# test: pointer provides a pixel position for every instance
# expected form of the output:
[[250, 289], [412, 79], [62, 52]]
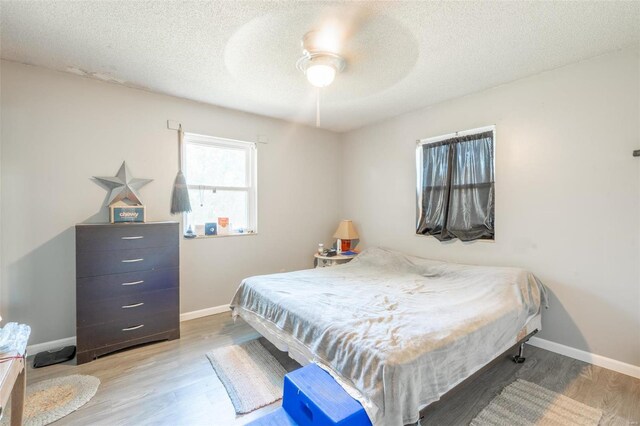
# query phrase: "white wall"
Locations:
[[59, 130], [567, 202], [567, 193]]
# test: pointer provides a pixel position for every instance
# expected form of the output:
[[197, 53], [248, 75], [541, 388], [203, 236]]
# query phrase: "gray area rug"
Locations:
[[51, 400], [252, 376], [525, 403]]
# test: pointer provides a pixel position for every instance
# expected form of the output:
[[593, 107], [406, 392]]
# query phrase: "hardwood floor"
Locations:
[[172, 383], [616, 394]]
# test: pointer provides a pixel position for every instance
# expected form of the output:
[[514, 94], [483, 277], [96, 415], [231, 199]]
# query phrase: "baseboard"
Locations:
[[204, 312], [53, 344], [599, 360]]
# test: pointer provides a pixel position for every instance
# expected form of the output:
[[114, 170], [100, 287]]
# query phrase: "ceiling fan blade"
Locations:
[[339, 24]]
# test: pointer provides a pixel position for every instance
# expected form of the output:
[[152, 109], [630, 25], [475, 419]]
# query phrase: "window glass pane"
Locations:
[[434, 189], [215, 165], [473, 162], [471, 211], [208, 206], [471, 203]]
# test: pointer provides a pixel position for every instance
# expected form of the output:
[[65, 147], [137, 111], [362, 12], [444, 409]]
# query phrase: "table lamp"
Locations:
[[345, 233]]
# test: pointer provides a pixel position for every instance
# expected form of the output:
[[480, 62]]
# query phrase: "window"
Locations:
[[221, 177], [455, 187]]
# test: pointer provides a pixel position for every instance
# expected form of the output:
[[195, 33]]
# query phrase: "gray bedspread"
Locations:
[[401, 330]]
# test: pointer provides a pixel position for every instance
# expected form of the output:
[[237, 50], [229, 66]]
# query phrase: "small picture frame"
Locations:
[[211, 228], [223, 226]]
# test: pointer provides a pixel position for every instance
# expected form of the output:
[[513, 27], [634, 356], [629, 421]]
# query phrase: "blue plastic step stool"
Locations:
[[278, 417], [312, 397]]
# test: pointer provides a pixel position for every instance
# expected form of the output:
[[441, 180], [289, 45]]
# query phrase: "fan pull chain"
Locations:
[[318, 107]]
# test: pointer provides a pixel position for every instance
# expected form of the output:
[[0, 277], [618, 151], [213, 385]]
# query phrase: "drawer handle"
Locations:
[[138, 237], [133, 328], [135, 305], [132, 260], [133, 283]]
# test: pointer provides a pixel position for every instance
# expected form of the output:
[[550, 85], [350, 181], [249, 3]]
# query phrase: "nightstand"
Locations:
[[339, 259]]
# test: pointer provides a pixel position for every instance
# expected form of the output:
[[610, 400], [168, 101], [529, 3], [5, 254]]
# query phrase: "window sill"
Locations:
[[203, 237]]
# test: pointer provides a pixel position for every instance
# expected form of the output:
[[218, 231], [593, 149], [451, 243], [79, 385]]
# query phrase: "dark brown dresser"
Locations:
[[127, 286]]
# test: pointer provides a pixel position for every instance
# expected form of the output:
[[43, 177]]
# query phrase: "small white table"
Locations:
[[338, 259]]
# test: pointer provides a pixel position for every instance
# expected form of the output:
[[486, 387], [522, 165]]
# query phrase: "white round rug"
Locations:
[[50, 400]]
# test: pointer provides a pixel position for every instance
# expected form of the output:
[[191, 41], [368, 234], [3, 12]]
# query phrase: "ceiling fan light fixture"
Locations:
[[319, 66], [321, 75]]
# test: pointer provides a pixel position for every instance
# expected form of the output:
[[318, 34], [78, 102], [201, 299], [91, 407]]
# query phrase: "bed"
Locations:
[[396, 331]]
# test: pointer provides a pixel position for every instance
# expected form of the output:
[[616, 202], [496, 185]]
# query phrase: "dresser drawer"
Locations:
[[91, 263], [91, 289], [126, 236], [123, 330], [131, 308]]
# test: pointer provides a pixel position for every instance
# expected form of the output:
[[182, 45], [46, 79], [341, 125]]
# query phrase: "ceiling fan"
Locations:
[[321, 59], [325, 47]]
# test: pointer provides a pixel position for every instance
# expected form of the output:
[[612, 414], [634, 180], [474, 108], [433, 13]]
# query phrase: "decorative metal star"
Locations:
[[123, 186]]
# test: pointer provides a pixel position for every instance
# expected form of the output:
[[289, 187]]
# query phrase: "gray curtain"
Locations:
[[458, 188]]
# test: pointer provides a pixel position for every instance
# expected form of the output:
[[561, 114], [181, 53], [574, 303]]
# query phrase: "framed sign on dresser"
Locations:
[[127, 286]]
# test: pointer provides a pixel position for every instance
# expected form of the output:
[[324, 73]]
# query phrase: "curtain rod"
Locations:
[[175, 125], [454, 134]]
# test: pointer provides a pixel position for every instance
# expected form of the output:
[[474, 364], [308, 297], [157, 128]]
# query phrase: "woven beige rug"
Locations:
[[524, 403], [252, 377], [51, 400]]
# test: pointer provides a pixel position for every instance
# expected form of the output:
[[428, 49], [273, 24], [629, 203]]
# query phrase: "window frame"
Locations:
[[251, 177], [420, 171]]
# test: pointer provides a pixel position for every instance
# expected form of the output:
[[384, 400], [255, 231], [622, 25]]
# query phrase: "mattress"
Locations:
[[396, 331]]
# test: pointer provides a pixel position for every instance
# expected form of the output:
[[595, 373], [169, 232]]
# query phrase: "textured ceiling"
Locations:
[[241, 54]]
